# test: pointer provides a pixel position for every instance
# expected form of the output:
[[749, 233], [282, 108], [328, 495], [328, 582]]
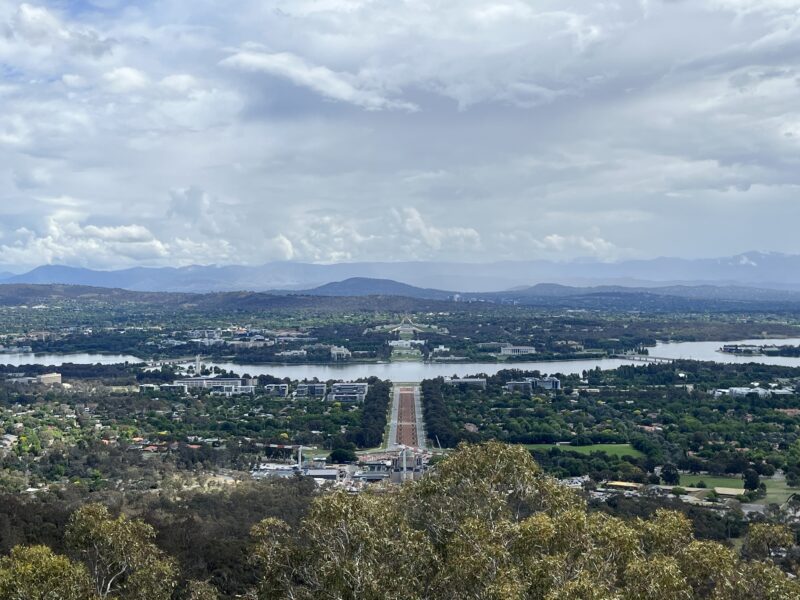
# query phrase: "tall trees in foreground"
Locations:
[[115, 558], [120, 555], [485, 524], [488, 524], [36, 573]]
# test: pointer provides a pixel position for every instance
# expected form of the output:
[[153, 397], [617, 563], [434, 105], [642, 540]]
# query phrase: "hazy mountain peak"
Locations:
[[751, 269]]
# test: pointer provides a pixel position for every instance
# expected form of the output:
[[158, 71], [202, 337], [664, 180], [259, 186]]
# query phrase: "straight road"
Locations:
[[406, 427]]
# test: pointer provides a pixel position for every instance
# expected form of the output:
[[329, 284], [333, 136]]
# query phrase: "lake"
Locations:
[[413, 371], [56, 360]]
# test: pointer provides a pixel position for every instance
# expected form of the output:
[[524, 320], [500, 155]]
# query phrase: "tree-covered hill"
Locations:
[[486, 523]]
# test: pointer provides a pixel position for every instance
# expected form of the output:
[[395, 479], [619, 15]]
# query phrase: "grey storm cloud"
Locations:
[[179, 132]]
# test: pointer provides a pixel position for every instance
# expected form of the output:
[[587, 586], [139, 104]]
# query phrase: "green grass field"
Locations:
[[777, 490], [711, 481], [610, 449]]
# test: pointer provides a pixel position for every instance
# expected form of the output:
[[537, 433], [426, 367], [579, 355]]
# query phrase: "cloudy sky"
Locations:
[[178, 132]]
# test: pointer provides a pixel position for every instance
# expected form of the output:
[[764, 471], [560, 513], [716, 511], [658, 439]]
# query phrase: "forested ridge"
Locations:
[[486, 523]]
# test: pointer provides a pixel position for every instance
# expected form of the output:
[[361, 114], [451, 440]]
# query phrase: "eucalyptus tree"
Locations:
[[120, 555], [36, 573], [488, 524]]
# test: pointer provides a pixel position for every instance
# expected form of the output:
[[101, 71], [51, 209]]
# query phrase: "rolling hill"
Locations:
[[364, 286], [750, 270]]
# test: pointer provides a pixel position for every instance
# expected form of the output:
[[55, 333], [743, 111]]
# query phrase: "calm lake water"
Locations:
[[412, 371], [56, 360]]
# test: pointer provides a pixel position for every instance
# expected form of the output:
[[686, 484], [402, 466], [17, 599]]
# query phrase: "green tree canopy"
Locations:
[[35, 573], [488, 524], [120, 555]]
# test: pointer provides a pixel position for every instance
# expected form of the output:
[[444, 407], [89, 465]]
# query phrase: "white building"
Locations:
[[292, 353], [207, 382], [741, 392], [226, 386], [340, 353], [517, 350], [406, 343], [45, 379], [232, 390], [49, 379]]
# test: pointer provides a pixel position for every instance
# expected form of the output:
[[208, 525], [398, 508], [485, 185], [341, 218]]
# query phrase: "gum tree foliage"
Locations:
[[36, 573], [485, 524], [200, 590], [122, 560], [488, 524], [764, 538]]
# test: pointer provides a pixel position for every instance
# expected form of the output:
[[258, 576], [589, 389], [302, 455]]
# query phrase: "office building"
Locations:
[[348, 392], [517, 350], [311, 390], [277, 389], [523, 387]]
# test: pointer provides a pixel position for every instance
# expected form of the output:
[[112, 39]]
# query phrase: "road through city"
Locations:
[[406, 427]]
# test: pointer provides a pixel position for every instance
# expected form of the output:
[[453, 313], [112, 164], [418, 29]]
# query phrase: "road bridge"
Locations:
[[644, 358]]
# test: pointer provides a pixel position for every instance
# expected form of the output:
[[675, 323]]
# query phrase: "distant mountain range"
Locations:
[[545, 292], [382, 294], [225, 302], [703, 292], [752, 270]]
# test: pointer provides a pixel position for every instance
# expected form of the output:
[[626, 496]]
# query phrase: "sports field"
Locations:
[[712, 481], [610, 449], [777, 490]]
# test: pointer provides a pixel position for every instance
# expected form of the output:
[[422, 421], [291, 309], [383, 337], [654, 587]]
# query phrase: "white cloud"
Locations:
[[181, 83], [284, 247], [753, 6], [69, 242], [336, 86], [126, 79], [13, 129], [526, 245], [38, 25], [596, 247], [73, 81], [41, 28], [32, 178], [119, 233], [324, 130], [435, 238]]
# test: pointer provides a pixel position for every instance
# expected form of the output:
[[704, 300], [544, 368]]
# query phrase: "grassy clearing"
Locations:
[[399, 355], [777, 490], [610, 449], [712, 481], [319, 453]]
